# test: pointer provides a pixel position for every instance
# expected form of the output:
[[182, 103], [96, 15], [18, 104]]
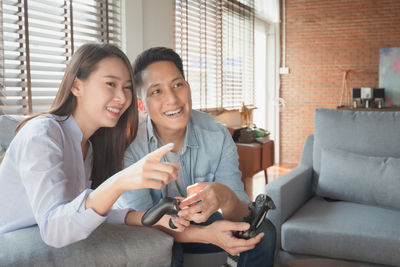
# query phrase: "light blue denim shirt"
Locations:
[[44, 180], [208, 155]]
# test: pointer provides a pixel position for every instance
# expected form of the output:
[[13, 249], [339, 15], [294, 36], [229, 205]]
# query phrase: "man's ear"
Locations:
[[76, 87], [141, 106]]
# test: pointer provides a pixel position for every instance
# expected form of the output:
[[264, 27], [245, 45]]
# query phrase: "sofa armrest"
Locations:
[[289, 192], [108, 245]]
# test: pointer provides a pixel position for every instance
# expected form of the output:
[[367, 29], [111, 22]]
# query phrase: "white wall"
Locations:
[[147, 23]]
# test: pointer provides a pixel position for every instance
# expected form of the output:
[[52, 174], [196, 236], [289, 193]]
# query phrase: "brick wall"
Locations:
[[324, 38]]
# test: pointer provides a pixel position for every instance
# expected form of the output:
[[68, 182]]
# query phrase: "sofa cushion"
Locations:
[[370, 133], [8, 123], [359, 178], [109, 245], [344, 230]]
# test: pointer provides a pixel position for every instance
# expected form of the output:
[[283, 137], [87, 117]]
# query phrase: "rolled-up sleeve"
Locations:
[[228, 172], [117, 215]]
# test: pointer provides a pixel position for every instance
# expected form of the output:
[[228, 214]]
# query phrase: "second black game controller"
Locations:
[[166, 205], [258, 211]]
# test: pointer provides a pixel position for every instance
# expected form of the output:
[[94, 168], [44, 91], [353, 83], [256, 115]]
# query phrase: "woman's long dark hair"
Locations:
[[108, 143]]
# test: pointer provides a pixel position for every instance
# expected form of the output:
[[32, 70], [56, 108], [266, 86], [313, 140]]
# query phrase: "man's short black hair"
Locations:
[[152, 55]]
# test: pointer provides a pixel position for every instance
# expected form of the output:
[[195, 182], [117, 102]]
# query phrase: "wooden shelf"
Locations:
[[253, 158]]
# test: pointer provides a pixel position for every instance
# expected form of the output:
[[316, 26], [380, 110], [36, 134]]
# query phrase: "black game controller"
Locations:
[[166, 205], [258, 210]]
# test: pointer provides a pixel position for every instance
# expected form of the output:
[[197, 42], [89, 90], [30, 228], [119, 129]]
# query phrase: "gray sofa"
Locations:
[[109, 245], [343, 200]]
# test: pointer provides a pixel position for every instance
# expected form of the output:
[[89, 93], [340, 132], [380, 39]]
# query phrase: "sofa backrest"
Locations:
[[370, 133], [307, 155], [8, 124]]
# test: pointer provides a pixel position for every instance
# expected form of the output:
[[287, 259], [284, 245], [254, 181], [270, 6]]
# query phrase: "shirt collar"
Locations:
[[70, 122], [71, 125], [77, 134], [190, 141], [73, 128]]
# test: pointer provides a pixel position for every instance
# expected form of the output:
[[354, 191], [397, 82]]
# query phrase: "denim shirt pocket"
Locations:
[[208, 178]]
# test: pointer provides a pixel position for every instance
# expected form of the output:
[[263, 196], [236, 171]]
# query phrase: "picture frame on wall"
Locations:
[[389, 75]]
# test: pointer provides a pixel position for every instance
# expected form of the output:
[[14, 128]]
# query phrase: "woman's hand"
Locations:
[[149, 172]]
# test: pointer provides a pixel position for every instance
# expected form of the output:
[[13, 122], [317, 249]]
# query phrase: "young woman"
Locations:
[[56, 158]]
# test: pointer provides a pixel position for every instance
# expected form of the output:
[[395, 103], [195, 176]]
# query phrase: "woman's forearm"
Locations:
[[103, 197]]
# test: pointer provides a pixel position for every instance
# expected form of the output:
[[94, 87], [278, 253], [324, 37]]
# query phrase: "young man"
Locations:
[[209, 179]]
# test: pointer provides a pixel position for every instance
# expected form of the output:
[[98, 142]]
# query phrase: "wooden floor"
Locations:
[[273, 173]]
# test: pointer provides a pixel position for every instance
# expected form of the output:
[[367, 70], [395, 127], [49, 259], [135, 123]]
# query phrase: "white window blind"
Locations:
[[37, 39], [215, 39]]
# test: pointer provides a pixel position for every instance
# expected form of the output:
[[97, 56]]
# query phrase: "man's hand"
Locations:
[[180, 223], [220, 233], [203, 200], [149, 172]]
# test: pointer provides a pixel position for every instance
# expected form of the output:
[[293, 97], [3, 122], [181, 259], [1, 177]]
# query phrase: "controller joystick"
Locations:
[[166, 205], [258, 211]]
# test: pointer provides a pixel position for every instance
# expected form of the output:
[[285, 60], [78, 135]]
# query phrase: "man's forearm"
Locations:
[[134, 218], [232, 207], [235, 212], [192, 234]]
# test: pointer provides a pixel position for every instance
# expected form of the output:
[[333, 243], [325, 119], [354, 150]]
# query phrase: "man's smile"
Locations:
[[173, 112]]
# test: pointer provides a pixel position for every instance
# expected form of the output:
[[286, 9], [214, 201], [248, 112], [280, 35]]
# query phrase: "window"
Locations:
[[37, 38], [215, 39]]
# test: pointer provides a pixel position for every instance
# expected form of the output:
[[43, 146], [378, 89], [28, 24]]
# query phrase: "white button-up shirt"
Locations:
[[44, 180]]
